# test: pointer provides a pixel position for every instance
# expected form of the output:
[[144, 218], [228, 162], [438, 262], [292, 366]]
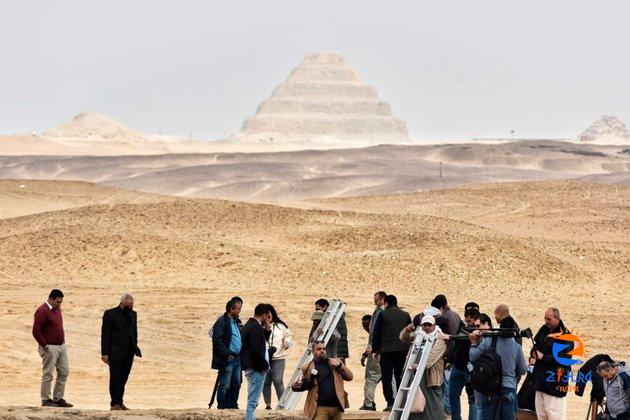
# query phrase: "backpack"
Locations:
[[487, 373]]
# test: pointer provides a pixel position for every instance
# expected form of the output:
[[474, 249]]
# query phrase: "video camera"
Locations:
[[495, 332]]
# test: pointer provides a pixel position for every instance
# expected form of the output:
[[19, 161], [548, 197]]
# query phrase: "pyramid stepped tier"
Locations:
[[324, 106], [324, 99], [333, 90], [327, 125]]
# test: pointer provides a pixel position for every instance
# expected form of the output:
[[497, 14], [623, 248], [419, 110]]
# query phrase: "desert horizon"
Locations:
[[170, 156]]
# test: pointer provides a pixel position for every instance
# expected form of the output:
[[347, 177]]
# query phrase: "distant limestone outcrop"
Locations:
[[606, 130], [324, 100], [97, 127]]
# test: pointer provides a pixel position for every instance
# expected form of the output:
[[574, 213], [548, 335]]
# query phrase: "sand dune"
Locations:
[[21, 197], [289, 176], [183, 258]]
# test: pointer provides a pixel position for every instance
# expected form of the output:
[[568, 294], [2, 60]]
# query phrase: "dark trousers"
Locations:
[[392, 365], [118, 374]]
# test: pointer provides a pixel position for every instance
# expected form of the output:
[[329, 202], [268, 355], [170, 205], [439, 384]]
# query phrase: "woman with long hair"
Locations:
[[279, 340]]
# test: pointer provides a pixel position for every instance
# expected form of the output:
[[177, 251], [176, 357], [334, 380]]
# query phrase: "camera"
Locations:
[[272, 351]]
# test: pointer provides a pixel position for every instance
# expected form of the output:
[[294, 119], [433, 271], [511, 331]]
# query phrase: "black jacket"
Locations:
[[254, 347], [548, 367], [221, 338], [387, 330], [119, 337], [342, 345], [509, 322], [597, 390], [458, 354]]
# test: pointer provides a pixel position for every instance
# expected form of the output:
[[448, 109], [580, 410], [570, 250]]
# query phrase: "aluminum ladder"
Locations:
[[329, 322], [415, 367]]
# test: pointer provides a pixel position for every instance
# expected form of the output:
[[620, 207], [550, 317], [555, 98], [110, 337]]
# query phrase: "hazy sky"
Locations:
[[448, 68]]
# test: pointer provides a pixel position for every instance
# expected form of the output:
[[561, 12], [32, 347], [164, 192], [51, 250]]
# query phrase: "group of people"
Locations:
[[463, 349], [258, 348]]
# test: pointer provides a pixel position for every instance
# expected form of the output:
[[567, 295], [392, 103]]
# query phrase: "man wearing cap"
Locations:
[[432, 380]]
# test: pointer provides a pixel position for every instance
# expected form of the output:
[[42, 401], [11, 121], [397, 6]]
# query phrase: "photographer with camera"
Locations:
[[323, 379], [498, 362], [279, 341]]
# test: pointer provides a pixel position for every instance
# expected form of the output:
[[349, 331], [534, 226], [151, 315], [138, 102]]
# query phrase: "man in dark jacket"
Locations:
[[550, 395], [255, 356], [459, 359], [119, 344], [387, 346], [226, 350]]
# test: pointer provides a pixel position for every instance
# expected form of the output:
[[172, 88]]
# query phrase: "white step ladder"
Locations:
[[415, 367], [329, 322]]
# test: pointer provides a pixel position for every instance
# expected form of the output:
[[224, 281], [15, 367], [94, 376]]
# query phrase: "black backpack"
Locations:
[[487, 374]]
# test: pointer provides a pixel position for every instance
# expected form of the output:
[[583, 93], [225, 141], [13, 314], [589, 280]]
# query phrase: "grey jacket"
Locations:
[[618, 392], [512, 358], [375, 314]]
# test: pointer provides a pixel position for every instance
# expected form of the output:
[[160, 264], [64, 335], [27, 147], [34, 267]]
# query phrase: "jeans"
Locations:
[[229, 384], [446, 391], [505, 403], [118, 375], [458, 381], [474, 407], [392, 365], [255, 383], [275, 377]]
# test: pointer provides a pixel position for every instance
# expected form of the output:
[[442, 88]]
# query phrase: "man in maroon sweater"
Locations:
[[48, 331]]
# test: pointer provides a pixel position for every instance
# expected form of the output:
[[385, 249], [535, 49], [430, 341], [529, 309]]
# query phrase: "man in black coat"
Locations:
[[550, 376], [387, 346], [255, 356], [119, 344]]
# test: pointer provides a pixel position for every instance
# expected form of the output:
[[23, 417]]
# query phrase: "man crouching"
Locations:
[[323, 379]]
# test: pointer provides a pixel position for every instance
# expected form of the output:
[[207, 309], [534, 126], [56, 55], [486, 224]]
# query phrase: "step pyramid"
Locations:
[[606, 130], [325, 100]]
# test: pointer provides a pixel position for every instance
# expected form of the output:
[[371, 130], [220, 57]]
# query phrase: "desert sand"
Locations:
[[527, 244]]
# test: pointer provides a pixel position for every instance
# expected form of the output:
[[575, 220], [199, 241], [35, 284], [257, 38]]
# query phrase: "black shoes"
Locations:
[[368, 407], [63, 403], [49, 403]]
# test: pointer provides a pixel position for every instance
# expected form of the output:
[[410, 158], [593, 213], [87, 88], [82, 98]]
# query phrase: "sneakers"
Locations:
[[49, 403], [63, 403], [368, 407]]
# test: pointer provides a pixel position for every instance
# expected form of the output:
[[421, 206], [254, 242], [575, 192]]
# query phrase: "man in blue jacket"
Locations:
[[512, 366], [226, 350]]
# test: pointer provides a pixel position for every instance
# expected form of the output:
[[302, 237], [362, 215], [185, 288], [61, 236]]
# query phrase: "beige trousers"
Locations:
[[327, 413], [55, 357], [549, 407]]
